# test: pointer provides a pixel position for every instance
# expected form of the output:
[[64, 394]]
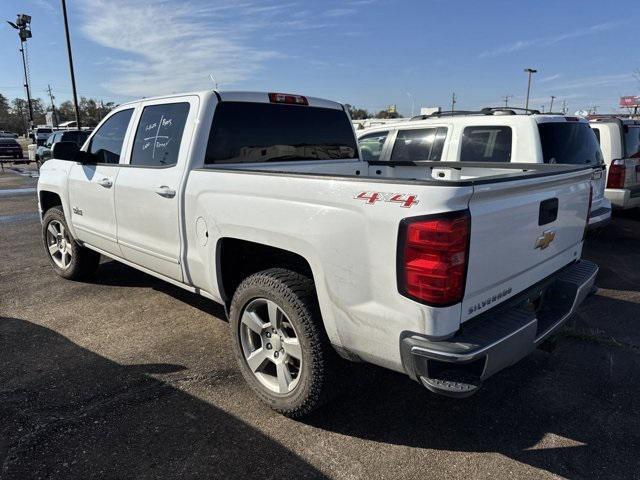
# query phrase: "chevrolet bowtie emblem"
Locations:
[[545, 239]]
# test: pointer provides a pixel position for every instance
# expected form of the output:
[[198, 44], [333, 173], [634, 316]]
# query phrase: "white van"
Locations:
[[619, 140], [493, 136]]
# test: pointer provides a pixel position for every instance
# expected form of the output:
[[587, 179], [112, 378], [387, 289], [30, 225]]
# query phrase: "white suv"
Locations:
[[494, 136], [620, 144]]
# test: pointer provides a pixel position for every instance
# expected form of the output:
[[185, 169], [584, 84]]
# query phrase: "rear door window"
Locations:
[[246, 132], [371, 145], [419, 144], [159, 135], [632, 142], [486, 144], [573, 143]]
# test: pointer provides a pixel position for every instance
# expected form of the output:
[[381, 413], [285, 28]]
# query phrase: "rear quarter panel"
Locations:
[[350, 245]]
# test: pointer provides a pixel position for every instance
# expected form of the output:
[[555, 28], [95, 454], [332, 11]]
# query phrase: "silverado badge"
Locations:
[[545, 239]]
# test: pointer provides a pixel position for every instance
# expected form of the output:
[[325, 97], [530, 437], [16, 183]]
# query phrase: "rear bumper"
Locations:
[[599, 218], [623, 198], [496, 339]]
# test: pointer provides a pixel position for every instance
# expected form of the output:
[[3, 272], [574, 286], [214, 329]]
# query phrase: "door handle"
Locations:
[[165, 191], [106, 183]]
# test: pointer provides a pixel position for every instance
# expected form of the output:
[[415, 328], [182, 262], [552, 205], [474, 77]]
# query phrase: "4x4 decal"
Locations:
[[404, 199]]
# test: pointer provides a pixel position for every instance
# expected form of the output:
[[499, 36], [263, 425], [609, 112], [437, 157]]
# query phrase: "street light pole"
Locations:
[[530, 71], [26, 84], [73, 77], [413, 103], [23, 25], [553, 97]]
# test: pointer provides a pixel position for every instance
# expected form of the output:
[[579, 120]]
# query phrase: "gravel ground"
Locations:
[[128, 377]]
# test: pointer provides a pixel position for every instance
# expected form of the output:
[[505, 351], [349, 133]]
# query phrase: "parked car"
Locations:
[[260, 201], [4, 134], [619, 140], [43, 152], [494, 135], [40, 134], [9, 147]]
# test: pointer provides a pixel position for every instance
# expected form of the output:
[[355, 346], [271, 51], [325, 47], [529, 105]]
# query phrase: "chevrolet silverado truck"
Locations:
[[503, 134], [261, 202]]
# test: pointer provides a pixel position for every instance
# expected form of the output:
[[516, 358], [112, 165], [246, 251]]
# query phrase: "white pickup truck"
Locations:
[[260, 201]]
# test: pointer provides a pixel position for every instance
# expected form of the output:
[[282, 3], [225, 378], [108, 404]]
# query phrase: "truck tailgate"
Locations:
[[521, 232]]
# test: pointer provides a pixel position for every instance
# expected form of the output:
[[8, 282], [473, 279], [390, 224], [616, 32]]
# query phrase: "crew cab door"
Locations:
[[91, 186], [148, 192]]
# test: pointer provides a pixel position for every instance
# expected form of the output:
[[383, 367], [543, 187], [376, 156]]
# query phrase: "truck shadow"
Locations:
[[66, 412], [117, 274], [574, 412]]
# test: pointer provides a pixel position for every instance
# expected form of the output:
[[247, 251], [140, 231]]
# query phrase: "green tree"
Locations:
[[387, 114], [358, 113]]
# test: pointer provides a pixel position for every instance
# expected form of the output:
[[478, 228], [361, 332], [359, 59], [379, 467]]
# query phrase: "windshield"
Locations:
[[244, 132], [44, 130], [9, 141], [569, 143]]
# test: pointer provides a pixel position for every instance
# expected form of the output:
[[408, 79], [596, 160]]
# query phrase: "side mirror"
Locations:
[[64, 150]]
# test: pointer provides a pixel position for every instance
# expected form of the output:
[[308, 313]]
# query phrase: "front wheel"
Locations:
[[279, 342], [68, 259]]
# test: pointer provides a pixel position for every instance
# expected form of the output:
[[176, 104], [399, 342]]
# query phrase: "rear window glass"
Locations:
[[486, 144], [8, 141], [244, 132], [416, 145], [371, 145], [569, 143], [632, 142], [159, 134]]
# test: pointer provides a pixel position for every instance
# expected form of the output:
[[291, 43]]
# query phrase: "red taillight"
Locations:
[[432, 266], [616, 174], [288, 98]]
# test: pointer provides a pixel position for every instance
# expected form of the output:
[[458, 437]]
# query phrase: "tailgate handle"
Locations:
[[548, 211]]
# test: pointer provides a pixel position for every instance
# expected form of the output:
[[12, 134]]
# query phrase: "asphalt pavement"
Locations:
[[125, 376]]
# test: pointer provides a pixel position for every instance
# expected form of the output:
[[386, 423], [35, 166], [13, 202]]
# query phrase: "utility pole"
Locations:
[[530, 72], [453, 101], [23, 25], [73, 77], [506, 100], [53, 107], [553, 97]]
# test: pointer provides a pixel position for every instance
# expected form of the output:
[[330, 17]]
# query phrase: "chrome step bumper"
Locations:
[[498, 338]]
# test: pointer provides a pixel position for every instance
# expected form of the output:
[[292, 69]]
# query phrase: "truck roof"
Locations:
[[476, 118], [238, 96]]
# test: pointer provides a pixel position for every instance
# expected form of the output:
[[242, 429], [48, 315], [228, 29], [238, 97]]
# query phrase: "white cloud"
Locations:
[[550, 78], [597, 81], [549, 41], [171, 46], [339, 12]]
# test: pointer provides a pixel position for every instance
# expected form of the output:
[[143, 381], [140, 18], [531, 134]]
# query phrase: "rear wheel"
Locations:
[[279, 342], [68, 259]]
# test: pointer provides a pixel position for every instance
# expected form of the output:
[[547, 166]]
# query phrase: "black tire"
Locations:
[[295, 296], [83, 262]]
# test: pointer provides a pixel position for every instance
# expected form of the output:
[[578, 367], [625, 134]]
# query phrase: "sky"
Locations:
[[368, 53]]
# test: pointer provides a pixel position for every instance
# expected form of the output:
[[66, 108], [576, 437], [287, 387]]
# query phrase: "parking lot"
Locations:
[[128, 377]]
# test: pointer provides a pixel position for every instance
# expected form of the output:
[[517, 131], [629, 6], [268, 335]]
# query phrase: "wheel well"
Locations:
[[48, 200], [237, 259]]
